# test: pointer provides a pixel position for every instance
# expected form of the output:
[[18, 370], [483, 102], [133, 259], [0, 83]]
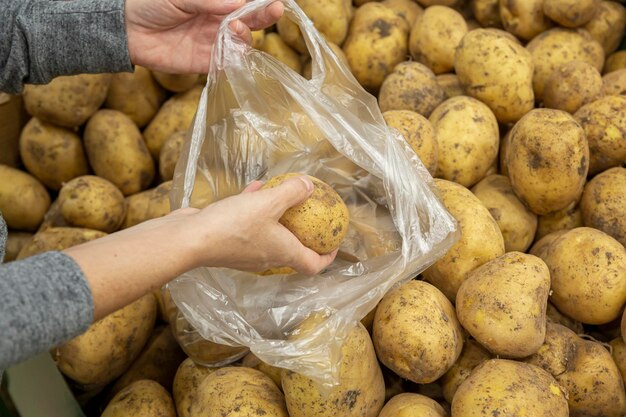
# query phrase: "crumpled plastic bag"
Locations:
[[258, 118]]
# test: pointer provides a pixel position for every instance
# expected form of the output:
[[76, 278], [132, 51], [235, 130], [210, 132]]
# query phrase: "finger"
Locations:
[[252, 187], [241, 31], [220, 7], [308, 262], [289, 193], [266, 17]]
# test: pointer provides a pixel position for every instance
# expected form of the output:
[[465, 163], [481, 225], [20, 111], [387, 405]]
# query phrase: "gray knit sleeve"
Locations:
[[45, 39]]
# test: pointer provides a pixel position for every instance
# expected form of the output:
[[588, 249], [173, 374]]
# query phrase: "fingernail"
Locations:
[[238, 26], [308, 183]]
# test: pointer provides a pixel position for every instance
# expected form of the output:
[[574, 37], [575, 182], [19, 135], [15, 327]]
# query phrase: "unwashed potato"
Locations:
[[137, 208], [497, 71], [412, 405], [555, 47], [588, 270], [58, 238], [524, 18], [93, 203], [473, 354], [614, 62], [170, 152], [188, 378], [541, 247], [480, 241], [607, 24], [509, 388], [330, 17], [449, 3], [177, 83], [619, 355], [547, 160], [571, 86], [566, 219], [502, 154], [516, 222], [67, 101], [614, 83], [553, 315], [23, 199], [487, 12], [109, 346], [603, 204], [15, 242], [418, 132], [117, 151], [570, 13], [251, 361], [467, 139], [144, 398], [135, 94], [604, 123], [411, 86], [290, 34], [502, 304], [406, 9], [435, 36], [274, 45], [451, 85], [52, 154], [416, 333]]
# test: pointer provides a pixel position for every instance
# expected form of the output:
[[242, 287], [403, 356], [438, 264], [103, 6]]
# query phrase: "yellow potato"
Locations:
[[251, 361], [23, 200], [170, 153], [275, 46], [541, 246], [566, 219], [144, 398], [290, 34], [137, 208], [524, 18], [188, 378], [418, 132], [487, 12], [472, 355], [406, 9], [159, 204], [177, 83], [502, 154], [451, 85], [614, 62], [58, 238], [570, 13], [258, 37], [449, 3], [15, 242], [571, 86], [330, 17], [614, 83], [409, 405], [619, 355], [607, 24]]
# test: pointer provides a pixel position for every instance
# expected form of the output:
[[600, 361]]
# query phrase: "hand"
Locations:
[[177, 36]]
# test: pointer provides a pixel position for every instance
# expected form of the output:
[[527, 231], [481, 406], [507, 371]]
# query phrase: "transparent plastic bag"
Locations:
[[257, 118]]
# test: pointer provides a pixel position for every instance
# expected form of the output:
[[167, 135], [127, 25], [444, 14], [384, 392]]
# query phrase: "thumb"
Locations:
[[290, 193]]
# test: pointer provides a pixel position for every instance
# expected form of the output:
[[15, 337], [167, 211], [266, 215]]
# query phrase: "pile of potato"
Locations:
[[516, 107]]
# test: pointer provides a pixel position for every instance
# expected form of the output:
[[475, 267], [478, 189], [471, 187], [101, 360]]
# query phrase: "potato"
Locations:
[[176, 114], [555, 47], [321, 221], [553, 315], [487, 12], [467, 139], [451, 85], [604, 122], [449, 3], [238, 392], [502, 154], [177, 83], [411, 86], [67, 101], [516, 222], [376, 43], [412, 405], [614, 83], [566, 219], [93, 203], [472, 355], [158, 361], [607, 24], [361, 389], [108, 132], [547, 160], [274, 45], [290, 34], [251, 361], [509, 388], [135, 94], [540, 248], [623, 326], [406, 9], [497, 71], [58, 238], [418, 132], [143, 398], [14, 244], [416, 333], [137, 208], [330, 17], [258, 37], [159, 204], [109, 346], [188, 378], [23, 200], [614, 62], [502, 304], [603, 205], [570, 13], [588, 270], [480, 242], [571, 86], [52, 154], [170, 153], [524, 18]]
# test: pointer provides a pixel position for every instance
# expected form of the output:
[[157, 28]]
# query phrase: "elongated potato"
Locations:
[[607, 25], [418, 132], [23, 200], [524, 18], [143, 398], [472, 355], [170, 152], [58, 238], [188, 378]]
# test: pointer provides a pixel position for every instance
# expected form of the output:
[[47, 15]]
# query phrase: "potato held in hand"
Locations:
[[321, 221]]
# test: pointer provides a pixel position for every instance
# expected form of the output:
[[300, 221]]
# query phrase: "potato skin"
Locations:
[[541, 246], [409, 405], [571, 86], [275, 374], [566, 219], [186, 382], [614, 83], [143, 398], [170, 153], [570, 13], [15, 242], [406, 9], [58, 238], [524, 18], [451, 85], [23, 199], [588, 270], [603, 204], [607, 25], [52, 154], [487, 12], [614, 62], [472, 355], [137, 208], [274, 45], [67, 101], [416, 333], [548, 169], [177, 83]]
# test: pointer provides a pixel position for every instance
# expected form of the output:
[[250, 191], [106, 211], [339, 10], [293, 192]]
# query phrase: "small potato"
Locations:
[[603, 204], [135, 94], [604, 123], [251, 361], [93, 203], [67, 101], [23, 200], [588, 270], [509, 388], [524, 18], [541, 247], [170, 153], [467, 139], [406, 9], [547, 160], [409, 405], [614, 62], [275, 46], [435, 36], [487, 12], [570, 13], [614, 83], [553, 315], [566, 219], [416, 333], [516, 222], [411, 86], [480, 242], [177, 83], [607, 24], [571, 86], [52, 154], [418, 132], [451, 85], [473, 354], [144, 398], [58, 238], [188, 378], [15, 242], [117, 151]]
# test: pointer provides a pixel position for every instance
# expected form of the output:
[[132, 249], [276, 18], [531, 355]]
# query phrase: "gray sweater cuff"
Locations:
[[44, 301]]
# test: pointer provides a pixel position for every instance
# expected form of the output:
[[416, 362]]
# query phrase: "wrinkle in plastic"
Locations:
[[257, 118]]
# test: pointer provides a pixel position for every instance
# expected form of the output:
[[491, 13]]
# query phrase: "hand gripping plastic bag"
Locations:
[[257, 118]]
